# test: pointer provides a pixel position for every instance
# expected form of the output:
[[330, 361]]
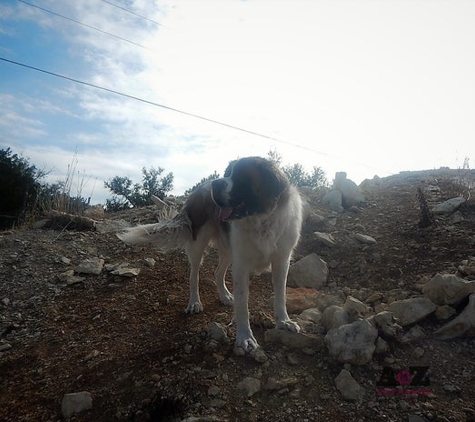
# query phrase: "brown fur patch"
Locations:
[[200, 209]]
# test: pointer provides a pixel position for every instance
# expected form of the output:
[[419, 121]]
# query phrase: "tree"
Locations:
[[19, 188], [299, 177], [213, 176], [138, 195]]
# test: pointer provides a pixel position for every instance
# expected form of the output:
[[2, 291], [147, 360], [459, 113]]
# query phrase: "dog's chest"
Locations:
[[256, 240]]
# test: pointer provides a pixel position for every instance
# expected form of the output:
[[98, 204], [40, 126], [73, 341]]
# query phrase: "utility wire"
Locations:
[[132, 12], [83, 24], [197, 116]]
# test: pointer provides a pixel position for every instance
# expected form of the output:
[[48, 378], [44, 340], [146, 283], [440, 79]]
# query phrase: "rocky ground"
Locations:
[[126, 340]]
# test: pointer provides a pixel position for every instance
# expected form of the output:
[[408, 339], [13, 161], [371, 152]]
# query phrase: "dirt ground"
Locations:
[[130, 344]]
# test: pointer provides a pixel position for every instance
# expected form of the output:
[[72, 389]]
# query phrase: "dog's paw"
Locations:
[[246, 342], [288, 325], [194, 308], [226, 299]]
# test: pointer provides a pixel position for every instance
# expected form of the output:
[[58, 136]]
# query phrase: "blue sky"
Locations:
[[366, 87]]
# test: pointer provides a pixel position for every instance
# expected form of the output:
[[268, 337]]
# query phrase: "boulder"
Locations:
[[334, 316], [449, 206], [75, 403], [350, 192], [352, 343], [461, 326], [310, 271], [348, 387], [410, 311], [448, 289]]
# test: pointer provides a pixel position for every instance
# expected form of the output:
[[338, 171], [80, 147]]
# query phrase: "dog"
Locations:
[[253, 215]]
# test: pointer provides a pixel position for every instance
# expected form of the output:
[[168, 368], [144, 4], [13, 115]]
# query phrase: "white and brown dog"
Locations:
[[253, 216]]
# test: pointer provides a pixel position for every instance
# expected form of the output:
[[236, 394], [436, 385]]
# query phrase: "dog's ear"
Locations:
[[229, 168], [273, 181], [200, 208]]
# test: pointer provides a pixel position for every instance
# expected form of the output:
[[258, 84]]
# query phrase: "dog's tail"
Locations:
[[166, 236]]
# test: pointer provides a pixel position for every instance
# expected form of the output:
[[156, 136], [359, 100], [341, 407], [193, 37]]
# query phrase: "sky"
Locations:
[[366, 87]]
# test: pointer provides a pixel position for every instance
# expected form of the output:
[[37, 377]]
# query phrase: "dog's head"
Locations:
[[250, 186]]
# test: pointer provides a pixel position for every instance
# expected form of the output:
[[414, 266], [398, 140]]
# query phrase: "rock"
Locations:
[[75, 403], [293, 340], [410, 311], [250, 386], [352, 343], [350, 192], [375, 297], [313, 221], [217, 332], [259, 355], [310, 271], [65, 276], [444, 312], [448, 289], [311, 314], [348, 387], [4, 347], [334, 316], [111, 226], [468, 266], [363, 238], [414, 334], [381, 346], [326, 300], [333, 200], [299, 299], [461, 326], [90, 266], [325, 238], [355, 308], [280, 383], [456, 217], [126, 272], [149, 262], [449, 206], [387, 325]]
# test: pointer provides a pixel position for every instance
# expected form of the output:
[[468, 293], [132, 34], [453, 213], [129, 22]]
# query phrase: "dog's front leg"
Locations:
[[244, 337], [195, 254], [280, 269]]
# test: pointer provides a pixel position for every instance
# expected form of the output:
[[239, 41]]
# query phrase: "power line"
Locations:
[[196, 116], [132, 12], [186, 113], [83, 24]]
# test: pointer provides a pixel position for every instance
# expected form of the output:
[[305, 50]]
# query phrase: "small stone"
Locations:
[[418, 352], [363, 238], [259, 355], [75, 403], [90, 266], [149, 262], [348, 387], [213, 390], [4, 347], [250, 386], [217, 332], [126, 272]]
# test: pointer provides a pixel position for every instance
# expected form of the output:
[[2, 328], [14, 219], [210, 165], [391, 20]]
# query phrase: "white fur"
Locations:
[[255, 243]]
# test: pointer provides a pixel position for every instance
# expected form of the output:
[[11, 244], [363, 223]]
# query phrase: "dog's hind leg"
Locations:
[[195, 251], [224, 261], [280, 269]]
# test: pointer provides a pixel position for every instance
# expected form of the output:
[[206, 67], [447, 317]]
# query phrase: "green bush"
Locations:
[[19, 189]]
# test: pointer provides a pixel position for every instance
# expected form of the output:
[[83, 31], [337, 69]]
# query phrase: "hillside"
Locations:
[[127, 341]]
